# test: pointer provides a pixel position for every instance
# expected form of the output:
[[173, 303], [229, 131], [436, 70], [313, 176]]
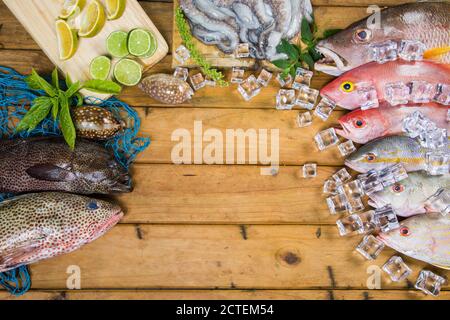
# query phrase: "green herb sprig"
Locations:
[[303, 54], [186, 37], [57, 101]]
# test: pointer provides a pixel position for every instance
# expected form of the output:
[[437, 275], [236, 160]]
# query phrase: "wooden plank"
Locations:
[[221, 257], [226, 295], [224, 195], [38, 18]]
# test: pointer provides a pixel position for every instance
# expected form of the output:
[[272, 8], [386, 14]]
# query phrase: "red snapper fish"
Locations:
[[343, 90], [362, 126]]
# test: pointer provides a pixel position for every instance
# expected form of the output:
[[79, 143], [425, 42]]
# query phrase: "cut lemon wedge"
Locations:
[[67, 40], [70, 7], [115, 8], [93, 20]]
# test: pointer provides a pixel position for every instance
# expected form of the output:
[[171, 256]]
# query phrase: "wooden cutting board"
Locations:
[[39, 16]]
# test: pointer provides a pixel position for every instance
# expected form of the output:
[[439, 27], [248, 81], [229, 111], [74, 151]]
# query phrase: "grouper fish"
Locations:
[[39, 226], [428, 22], [48, 164]]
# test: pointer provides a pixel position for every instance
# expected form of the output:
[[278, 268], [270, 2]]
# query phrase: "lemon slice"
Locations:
[[70, 7], [115, 8], [93, 20], [67, 40]]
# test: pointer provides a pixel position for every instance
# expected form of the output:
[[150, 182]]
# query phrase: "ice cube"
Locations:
[[302, 78], [397, 269], [349, 225], [309, 170], [306, 97], [414, 124], [397, 93], [342, 176], [326, 138], [264, 77], [242, 50], [346, 148], [304, 119], [392, 174], [285, 99], [383, 52], [197, 81], [437, 162], [249, 88], [237, 75], [210, 82], [422, 91], [411, 50], [367, 219], [181, 73], [439, 202], [367, 96], [182, 54], [337, 203], [355, 205], [370, 247], [352, 189], [324, 108], [433, 138], [386, 219], [329, 186], [429, 282], [284, 82], [443, 94]]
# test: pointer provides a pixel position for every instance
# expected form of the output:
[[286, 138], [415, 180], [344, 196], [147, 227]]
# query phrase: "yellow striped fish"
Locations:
[[424, 237]]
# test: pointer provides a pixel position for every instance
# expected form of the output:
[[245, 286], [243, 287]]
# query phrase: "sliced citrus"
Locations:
[[139, 42], [128, 72], [153, 47], [93, 20], [116, 44], [115, 8], [70, 7], [100, 68], [67, 40]]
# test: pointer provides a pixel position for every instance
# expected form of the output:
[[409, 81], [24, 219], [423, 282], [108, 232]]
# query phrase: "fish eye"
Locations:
[[92, 205], [362, 35], [370, 157], [404, 231], [398, 188], [347, 86], [359, 123]]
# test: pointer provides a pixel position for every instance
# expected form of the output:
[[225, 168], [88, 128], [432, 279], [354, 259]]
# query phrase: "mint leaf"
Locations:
[[307, 36], [65, 121], [73, 88], [39, 110], [102, 86], [330, 32], [36, 82], [79, 98], [287, 48], [308, 59], [68, 81], [55, 107], [55, 78], [282, 64], [315, 55]]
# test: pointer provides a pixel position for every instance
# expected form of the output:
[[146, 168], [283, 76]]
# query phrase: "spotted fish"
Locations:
[[39, 226]]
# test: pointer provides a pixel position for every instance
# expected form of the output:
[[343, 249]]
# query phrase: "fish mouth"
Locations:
[[123, 184], [342, 130], [331, 63]]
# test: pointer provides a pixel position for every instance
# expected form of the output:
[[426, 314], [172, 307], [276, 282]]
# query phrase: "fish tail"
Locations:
[[436, 52]]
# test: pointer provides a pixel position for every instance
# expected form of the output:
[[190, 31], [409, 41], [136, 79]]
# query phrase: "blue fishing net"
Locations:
[[15, 97]]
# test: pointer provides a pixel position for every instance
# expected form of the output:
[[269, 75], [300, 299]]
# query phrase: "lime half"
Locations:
[[116, 44], [128, 72], [93, 20], [67, 40], [153, 48], [100, 68], [140, 42]]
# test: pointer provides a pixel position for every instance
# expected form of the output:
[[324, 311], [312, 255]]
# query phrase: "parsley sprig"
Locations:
[[58, 101]]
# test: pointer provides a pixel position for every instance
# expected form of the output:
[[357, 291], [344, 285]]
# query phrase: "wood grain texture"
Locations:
[[38, 18], [223, 257], [226, 295]]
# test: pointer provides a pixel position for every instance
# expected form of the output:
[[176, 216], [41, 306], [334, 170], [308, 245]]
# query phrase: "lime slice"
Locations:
[[100, 68], [70, 7], [115, 8], [93, 20], [116, 44], [67, 40], [153, 47], [139, 42], [128, 72]]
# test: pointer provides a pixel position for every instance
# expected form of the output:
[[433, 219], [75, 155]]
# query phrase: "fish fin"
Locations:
[[50, 172], [12, 258], [435, 52]]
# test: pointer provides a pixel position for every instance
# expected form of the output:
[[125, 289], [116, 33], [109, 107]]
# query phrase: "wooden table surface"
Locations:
[[217, 231]]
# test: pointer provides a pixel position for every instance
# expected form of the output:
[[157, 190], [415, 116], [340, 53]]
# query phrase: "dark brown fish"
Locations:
[[48, 164], [93, 122]]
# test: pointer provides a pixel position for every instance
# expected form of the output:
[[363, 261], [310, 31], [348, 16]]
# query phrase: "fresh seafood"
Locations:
[[166, 88], [383, 152], [261, 24], [408, 196], [362, 126], [93, 122], [39, 226], [428, 22], [48, 164], [344, 90], [423, 237]]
